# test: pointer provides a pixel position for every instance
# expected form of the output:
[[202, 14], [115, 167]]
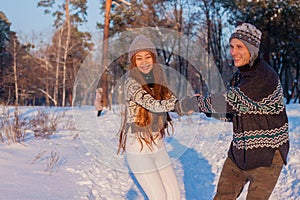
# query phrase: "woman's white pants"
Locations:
[[153, 169]]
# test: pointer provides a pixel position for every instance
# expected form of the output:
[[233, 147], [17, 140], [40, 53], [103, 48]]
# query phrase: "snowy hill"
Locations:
[[83, 164]]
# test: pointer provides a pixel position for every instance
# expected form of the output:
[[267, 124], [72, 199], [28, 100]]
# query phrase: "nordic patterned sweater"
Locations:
[[260, 123], [135, 95]]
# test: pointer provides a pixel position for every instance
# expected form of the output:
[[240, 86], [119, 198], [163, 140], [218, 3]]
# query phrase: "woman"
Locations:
[[147, 102], [98, 101]]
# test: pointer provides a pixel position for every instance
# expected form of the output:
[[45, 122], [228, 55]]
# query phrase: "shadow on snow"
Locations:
[[197, 175]]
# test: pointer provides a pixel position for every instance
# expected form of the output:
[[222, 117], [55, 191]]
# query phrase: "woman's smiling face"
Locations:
[[239, 52], [144, 61]]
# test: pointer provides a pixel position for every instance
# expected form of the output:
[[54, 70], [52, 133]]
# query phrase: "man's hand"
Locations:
[[187, 105]]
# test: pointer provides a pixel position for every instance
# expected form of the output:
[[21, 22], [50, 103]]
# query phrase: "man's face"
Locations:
[[239, 52]]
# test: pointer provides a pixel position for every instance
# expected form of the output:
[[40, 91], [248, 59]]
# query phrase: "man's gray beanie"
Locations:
[[251, 37], [141, 43]]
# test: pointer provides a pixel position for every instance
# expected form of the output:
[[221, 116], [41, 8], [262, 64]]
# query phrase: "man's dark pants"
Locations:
[[262, 180]]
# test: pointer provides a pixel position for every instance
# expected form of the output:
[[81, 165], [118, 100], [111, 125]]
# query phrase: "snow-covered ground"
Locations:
[[83, 164]]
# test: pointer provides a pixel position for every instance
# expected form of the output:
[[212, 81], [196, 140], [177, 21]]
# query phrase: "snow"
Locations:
[[82, 163]]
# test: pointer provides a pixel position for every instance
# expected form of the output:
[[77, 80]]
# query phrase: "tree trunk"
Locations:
[[106, 93], [47, 83], [66, 50], [15, 71], [295, 88], [56, 87]]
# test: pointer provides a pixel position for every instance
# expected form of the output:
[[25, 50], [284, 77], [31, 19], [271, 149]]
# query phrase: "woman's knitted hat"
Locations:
[[250, 36], [141, 43]]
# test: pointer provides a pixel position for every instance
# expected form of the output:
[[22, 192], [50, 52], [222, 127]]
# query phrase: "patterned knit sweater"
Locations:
[[260, 123], [136, 95]]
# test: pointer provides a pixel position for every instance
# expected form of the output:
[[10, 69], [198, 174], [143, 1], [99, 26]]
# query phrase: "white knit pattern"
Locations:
[[136, 95], [272, 104], [248, 33], [273, 138]]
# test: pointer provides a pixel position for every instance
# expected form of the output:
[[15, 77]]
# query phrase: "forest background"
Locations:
[[45, 72]]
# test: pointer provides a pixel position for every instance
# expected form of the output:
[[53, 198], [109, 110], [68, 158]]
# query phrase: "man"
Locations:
[[260, 125]]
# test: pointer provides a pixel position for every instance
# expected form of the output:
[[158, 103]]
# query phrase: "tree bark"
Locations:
[[66, 50], [15, 71], [56, 86], [106, 93]]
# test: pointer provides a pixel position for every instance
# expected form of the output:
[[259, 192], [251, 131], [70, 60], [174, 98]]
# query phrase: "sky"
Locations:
[[26, 17], [83, 165]]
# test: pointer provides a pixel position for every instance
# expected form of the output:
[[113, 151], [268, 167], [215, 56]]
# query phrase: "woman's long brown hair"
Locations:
[[147, 122]]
